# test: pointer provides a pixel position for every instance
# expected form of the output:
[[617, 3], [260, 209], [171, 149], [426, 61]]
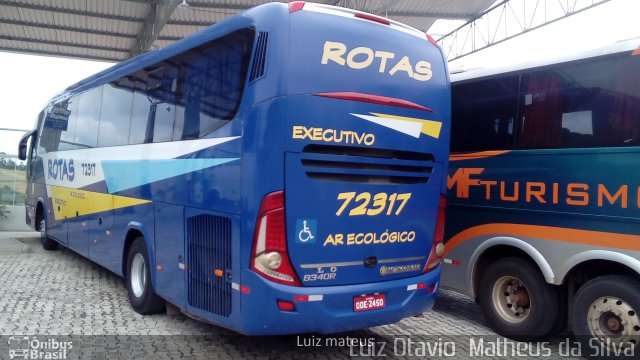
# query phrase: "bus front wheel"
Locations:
[[516, 300], [47, 242], [142, 297], [605, 315]]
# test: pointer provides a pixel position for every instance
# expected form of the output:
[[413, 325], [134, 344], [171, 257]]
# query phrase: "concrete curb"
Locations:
[[13, 246]]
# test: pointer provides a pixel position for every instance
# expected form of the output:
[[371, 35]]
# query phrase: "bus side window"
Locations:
[[162, 87], [50, 135], [581, 106], [211, 84], [140, 109], [67, 129], [483, 118], [115, 117], [154, 103], [86, 136], [623, 127], [541, 119]]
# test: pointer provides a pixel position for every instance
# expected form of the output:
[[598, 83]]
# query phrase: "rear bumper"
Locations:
[[332, 308]]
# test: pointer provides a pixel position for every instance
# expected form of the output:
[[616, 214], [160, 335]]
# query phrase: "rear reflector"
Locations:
[[374, 99], [286, 305], [452, 262], [432, 288], [373, 18], [306, 298], [416, 286]]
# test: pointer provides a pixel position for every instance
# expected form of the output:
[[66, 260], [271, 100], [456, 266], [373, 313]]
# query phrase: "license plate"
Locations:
[[368, 302]]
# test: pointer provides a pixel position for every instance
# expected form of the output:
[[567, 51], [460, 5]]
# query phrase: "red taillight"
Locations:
[[296, 6], [372, 18], [374, 99], [269, 257], [437, 250]]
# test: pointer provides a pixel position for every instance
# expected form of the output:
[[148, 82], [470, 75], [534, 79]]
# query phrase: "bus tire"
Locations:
[[47, 242], [607, 307], [516, 300], [142, 297]]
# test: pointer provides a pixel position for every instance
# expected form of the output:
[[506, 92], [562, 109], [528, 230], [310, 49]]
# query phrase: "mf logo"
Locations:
[[542, 192], [462, 178]]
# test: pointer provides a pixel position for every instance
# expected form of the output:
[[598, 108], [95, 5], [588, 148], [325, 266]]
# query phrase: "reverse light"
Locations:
[[437, 249], [270, 257]]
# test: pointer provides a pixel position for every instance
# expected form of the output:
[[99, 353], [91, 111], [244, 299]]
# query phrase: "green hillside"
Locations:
[[10, 180]]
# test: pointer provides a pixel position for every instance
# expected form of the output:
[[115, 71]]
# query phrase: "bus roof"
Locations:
[[240, 20], [477, 73], [271, 11]]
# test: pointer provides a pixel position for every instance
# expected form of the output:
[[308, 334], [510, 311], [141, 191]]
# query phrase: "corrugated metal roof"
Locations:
[[113, 30]]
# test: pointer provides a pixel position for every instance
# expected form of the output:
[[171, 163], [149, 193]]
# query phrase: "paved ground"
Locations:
[[53, 293]]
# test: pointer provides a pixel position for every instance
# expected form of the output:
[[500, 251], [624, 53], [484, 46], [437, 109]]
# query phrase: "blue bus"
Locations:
[[279, 172]]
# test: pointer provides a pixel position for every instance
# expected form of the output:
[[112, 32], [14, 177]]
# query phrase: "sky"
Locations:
[[30, 81]]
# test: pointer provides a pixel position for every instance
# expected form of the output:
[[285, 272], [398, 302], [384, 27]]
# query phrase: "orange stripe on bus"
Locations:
[[477, 155], [574, 236]]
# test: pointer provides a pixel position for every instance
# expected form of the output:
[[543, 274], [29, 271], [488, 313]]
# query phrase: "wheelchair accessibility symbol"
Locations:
[[306, 231]]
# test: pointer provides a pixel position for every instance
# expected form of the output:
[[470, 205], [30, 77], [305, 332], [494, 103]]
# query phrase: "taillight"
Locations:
[[373, 18], [296, 6], [374, 99], [269, 257], [437, 250], [432, 40]]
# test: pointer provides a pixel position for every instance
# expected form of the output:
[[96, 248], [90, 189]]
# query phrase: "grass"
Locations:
[[14, 179]]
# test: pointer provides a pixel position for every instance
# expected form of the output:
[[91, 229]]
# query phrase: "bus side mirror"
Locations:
[[22, 151], [22, 146]]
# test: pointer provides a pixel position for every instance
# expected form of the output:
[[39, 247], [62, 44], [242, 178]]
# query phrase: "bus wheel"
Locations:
[[138, 280], [516, 300], [47, 242], [605, 315]]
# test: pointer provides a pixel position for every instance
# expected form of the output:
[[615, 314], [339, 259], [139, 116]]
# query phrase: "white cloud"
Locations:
[[29, 81]]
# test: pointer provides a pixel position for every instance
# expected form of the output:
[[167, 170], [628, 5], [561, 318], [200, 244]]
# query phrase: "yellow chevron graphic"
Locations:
[[429, 127], [69, 203]]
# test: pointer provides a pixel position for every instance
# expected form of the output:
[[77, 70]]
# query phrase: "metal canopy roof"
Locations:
[[114, 30]]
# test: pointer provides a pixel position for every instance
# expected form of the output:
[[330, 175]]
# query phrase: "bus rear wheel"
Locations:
[[142, 297], [605, 316], [516, 300], [47, 242]]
